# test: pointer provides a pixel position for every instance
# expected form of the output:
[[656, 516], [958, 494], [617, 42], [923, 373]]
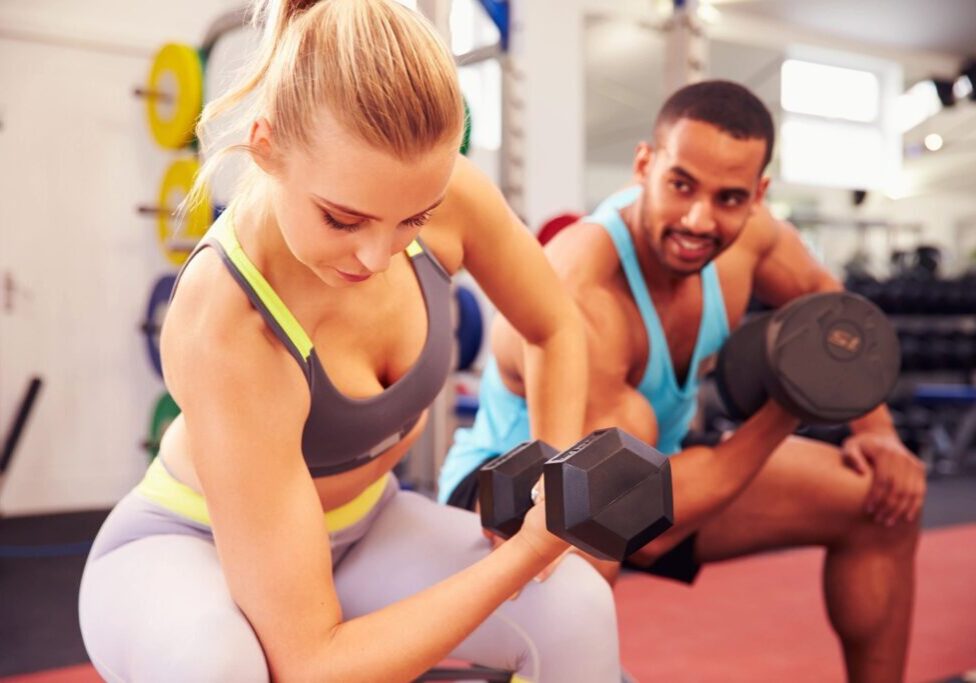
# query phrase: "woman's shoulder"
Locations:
[[211, 329]]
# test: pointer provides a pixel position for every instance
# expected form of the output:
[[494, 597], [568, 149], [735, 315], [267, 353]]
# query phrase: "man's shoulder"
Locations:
[[586, 261], [584, 254], [761, 232]]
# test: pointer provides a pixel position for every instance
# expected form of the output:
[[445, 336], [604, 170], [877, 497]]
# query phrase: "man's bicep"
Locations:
[[625, 408], [788, 270]]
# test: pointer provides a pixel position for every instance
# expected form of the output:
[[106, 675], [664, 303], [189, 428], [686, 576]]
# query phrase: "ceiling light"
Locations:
[[933, 142], [962, 88], [708, 13], [918, 103], [968, 73]]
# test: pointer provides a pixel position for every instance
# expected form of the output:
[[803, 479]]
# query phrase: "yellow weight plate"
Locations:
[[175, 95], [178, 234]]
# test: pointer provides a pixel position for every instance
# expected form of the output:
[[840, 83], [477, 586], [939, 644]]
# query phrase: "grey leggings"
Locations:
[[154, 604]]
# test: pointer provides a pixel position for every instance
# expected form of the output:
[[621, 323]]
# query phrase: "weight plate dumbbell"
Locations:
[[737, 381], [830, 357]]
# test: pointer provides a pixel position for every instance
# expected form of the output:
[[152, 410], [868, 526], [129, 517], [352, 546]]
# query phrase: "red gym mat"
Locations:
[[82, 673], [763, 619]]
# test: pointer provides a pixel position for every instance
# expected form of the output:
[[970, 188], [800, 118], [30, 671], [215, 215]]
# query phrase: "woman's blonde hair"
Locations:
[[379, 68]]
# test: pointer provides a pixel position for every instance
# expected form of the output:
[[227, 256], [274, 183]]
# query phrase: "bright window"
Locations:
[[829, 91], [833, 154]]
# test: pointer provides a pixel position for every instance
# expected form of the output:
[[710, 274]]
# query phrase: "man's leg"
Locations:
[[804, 495]]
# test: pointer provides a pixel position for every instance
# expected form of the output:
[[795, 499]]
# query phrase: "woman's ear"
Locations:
[[259, 139]]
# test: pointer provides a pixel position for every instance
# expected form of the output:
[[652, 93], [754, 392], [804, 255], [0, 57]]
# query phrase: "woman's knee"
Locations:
[[220, 646], [573, 625], [215, 646], [577, 604]]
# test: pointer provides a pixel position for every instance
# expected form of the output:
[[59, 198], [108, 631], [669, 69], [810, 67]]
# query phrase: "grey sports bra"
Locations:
[[343, 433]]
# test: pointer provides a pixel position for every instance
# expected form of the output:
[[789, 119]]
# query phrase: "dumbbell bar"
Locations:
[[609, 494]]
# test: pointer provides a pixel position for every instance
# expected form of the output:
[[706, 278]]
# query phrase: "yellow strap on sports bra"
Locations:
[[162, 488], [223, 231]]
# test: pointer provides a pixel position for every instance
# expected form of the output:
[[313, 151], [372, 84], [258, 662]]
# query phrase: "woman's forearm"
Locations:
[[555, 379], [404, 639]]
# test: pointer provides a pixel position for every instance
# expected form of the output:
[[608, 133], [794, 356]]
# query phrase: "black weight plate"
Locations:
[[609, 495], [738, 374], [505, 486], [831, 357]]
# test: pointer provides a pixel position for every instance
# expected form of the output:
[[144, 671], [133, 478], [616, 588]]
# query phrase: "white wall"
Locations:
[[75, 159]]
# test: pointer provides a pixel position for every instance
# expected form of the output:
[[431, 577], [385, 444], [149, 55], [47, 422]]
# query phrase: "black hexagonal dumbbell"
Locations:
[[505, 486], [826, 358], [608, 495]]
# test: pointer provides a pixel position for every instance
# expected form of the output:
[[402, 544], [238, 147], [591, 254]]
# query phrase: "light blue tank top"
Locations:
[[673, 405]]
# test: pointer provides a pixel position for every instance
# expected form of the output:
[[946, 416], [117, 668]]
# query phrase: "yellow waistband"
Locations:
[[162, 488]]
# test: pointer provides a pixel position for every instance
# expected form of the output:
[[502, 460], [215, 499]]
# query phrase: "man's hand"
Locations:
[[898, 489]]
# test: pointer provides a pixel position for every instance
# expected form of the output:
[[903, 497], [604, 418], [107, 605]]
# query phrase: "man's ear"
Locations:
[[757, 200], [259, 139], [643, 156]]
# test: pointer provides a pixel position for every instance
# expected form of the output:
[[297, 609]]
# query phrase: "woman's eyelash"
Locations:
[[417, 221], [330, 219]]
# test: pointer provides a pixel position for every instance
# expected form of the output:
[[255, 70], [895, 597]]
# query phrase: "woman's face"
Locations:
[[344, 207]]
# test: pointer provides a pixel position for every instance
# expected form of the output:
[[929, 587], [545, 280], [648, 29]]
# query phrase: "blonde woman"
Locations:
[[306, 338]]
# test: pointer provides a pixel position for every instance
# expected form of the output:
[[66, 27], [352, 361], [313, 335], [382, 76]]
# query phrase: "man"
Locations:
[[662, 271]]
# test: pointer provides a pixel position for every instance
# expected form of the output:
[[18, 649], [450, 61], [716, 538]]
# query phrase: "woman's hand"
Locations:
[[534, 532]]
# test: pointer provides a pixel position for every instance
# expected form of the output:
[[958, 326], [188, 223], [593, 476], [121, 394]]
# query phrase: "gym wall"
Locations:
[[78, 262]]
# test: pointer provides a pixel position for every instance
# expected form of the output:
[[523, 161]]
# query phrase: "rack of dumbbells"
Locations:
[[934, 404]]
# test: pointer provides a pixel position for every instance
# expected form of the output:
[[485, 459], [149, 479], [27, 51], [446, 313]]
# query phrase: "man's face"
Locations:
[[700, 186]]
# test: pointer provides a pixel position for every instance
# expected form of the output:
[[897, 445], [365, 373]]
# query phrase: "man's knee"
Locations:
[[901, 537]]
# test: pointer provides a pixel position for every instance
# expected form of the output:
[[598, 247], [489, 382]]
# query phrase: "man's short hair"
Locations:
[[728, 106]]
